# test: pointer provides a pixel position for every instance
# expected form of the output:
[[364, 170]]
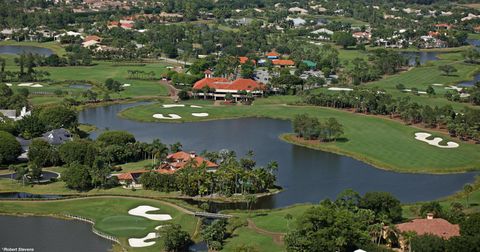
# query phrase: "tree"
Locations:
[[334, 129], [464, 243], [30, 126], [382, 203], [42, 153], [214, 234], [251, 200], [76, 176], [471, 55], [447, 69], [431, 207], [10, 149], [116, 137], [430, 91], [78, 151], [428, 243], [467, 189], [58, 117], [344, 39], [183, 95], [175, 239], [471, 225]]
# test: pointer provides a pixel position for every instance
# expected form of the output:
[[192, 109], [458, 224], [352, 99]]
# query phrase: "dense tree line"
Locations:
[[464, 124], [310, 128]]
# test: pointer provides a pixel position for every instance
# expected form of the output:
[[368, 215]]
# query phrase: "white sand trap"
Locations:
[[9, 84], [195, 106], [173, 105], [142, 212], [422, 136], [141, 242], [437, 84], [339, 89], [169, 117], [126, 85], [419, 92], [160, 227], [454, 88], [37, 85], [25, 84], [200, 114], [464, 95]]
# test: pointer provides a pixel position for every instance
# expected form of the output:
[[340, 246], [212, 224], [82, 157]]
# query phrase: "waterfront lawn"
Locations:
[[247, 237], [381, 142], [110, 215], [54, 46]]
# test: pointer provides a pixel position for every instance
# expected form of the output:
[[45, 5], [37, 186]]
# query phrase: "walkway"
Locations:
[[213, 215], [172, 91], [277, 237]]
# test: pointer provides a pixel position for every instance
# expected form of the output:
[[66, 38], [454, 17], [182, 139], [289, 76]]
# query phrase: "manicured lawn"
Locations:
[[384, 143], [245, 236], [109, 213]]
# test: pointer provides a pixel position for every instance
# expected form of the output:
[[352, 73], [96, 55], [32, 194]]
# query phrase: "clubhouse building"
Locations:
[[218, 88]]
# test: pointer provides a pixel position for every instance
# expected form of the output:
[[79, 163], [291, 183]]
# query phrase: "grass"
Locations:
[[244, 236], [384, 143], [54, 46], [108, 219]]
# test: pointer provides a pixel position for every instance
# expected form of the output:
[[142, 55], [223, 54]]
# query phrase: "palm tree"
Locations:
[[467, 189], [251, 200]]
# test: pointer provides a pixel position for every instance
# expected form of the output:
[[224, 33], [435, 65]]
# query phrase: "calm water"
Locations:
[[45, 175], [16, 50], [81, 86], [476, 79], [49, 235], [474, 42], [23, 195], [306, 175], [423, 57]]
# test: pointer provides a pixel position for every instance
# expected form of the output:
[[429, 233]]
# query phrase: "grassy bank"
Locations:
[[108, 219], [54, 46], [384, 143]]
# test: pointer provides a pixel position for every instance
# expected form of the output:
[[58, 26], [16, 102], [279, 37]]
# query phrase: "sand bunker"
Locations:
[[160, 227], [169, 117], [9, 84], [420, 92], [25, 84], [454, 88], [422, 136], [37, 85], [142, 212], [126, 85], [141, 242], [173, 105], [339, 89], [200, 114], [195, 106], [437, 84]]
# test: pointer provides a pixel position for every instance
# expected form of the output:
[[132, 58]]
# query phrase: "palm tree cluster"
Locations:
[[465, 124]]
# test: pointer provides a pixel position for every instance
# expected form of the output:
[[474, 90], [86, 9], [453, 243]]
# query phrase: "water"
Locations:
[[81, 86], [45, 234], [473, 42], [424, 57], [22, 195], [17, 50], [46, 175], [471, 83], [306, 175]]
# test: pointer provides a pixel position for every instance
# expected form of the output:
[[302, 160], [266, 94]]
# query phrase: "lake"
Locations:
[[45, 234], [306, 175], [476, 79], [17, 50], [424, 57]]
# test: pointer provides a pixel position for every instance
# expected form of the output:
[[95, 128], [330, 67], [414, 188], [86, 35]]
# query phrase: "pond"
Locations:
[[23, 195], [45, 177], [306, 175], [476, 79], [473, 42], [45, 234], [423, 57], [17, 50], [80, 86]]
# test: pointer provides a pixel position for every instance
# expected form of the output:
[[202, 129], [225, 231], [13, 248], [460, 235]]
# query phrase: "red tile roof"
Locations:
[[244, 60], [436, 226], [130, 175], [179, 159], [92, 37], [127, 25], [283, 62], [273, 54], [222, 83]]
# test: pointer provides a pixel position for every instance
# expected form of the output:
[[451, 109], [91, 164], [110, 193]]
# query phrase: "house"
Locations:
[[181, 159], [323, 34], [435, 226], [298, 10], [244, 60], [362, 36], [283, 63], [297, 22], [131, 179], [272, 55], [222, 87], [57, 136], [12, 113], [91, 40], [477, 29], [310, 64]]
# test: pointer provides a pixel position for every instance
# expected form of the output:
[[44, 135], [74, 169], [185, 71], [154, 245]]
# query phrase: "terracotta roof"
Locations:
[[92, 37], [283, 62], [179, 159], [244, 60], [436, 226], [127, 25], [222, 83], [208, 71], [272, 54], [433, 34], [130, 175]]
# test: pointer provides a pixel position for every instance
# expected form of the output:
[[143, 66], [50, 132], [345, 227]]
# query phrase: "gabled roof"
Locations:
[[244, 60], [273, 54], [283, 62], [436, 226], [92, 37], [222, 83], [179, 159]]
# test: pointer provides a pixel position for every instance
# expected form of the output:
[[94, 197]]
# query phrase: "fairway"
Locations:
[[384, 143], [109, 213]]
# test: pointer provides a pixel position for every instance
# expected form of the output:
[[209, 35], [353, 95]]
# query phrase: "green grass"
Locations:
[[245, 236], [54, 46], [109, 213], [384, 143]]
